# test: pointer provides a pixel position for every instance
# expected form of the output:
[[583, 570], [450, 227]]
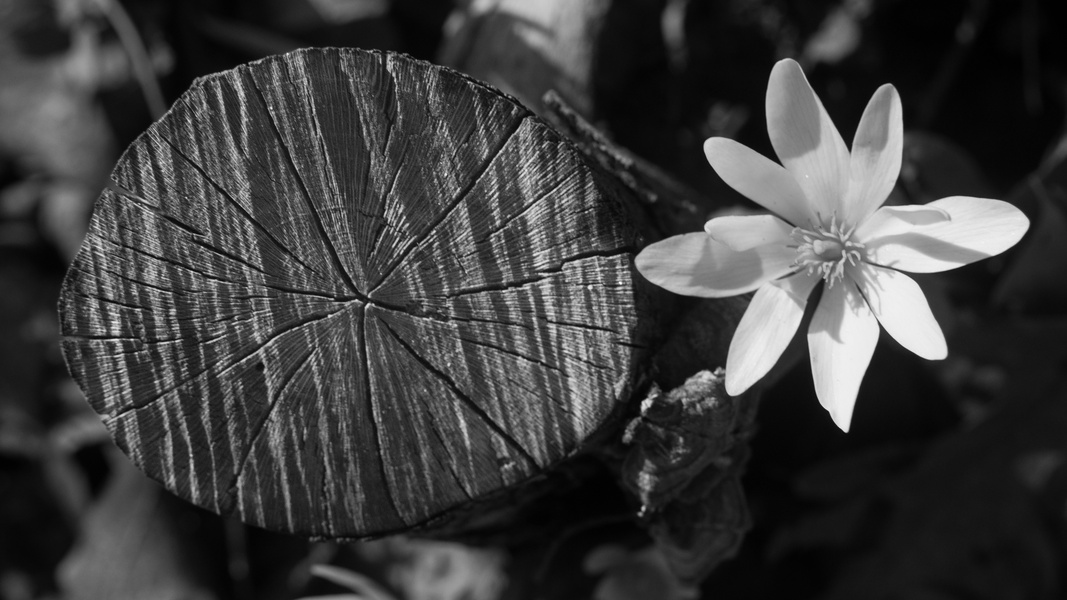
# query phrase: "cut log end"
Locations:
[[345, 293]]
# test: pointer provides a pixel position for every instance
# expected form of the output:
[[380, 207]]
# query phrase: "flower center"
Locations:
[[826, 250]]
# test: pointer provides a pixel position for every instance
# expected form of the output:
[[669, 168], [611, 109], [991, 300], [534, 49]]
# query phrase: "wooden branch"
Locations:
[[688, 449], [671, 206]]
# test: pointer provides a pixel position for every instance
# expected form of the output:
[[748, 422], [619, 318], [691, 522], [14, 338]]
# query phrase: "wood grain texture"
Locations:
[[342, 293]]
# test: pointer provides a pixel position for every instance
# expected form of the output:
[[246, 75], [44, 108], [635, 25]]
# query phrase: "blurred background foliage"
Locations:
[[953, 482]]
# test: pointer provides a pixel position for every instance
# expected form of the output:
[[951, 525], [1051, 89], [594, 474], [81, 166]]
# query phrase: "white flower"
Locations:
[[827, 227]]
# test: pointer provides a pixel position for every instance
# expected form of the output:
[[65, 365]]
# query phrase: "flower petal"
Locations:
[[759, 179], [766, 329], [876, 154], [901, 307], [806, 140], [693, 264], [979, 228], [742, 233], [841, 341], [891, 220]]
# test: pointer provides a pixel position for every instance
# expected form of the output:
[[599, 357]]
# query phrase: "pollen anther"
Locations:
[[826, 250]]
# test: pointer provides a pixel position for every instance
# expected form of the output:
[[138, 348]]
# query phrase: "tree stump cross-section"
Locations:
[[343, 293]]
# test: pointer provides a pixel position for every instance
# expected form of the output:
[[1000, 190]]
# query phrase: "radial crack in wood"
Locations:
[[348, 293]]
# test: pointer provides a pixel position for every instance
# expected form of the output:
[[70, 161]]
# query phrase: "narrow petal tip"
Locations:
[[842, 418], [876, 154], [758, 178], [901, 307], [841, 341], [805, 138], [735, 387], [785, 68], [769, 324]]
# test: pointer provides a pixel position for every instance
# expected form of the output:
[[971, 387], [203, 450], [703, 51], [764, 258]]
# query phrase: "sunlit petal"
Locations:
[[749, 231], [841, 341], [876, 153], [901, 307], [693, 264], [979, 228], [805, 139], [765, 330], [891, 220], [758, 178]]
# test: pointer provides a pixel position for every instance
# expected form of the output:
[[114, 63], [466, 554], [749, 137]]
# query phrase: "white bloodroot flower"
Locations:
[[828, 225]]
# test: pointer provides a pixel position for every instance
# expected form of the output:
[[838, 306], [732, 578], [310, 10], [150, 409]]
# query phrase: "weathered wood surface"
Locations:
[[342, 293], [688, 449]]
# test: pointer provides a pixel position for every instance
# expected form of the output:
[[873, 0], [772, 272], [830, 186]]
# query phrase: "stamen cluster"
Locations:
[[826, 250]]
